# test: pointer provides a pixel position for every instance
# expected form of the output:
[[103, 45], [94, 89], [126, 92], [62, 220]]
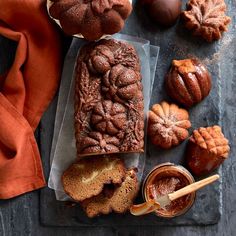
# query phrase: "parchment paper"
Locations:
[[63, 151]]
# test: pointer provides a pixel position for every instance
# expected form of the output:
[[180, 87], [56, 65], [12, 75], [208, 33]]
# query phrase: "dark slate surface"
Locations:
[[207, 208], [20, 216]]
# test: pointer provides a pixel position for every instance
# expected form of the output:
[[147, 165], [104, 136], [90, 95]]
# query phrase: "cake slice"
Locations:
[[116, 198], [87, 177]]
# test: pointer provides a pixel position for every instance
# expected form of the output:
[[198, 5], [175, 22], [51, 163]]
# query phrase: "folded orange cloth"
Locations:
[[25, 92]]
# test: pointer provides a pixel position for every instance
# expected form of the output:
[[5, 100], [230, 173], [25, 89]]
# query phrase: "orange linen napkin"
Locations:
[[25, 92]]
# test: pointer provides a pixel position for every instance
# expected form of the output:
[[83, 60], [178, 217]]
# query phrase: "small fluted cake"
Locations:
[[91, 18], [206, 19], [168, 125], [188, 82], [206, 150]]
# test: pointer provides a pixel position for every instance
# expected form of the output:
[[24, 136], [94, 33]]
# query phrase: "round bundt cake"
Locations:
[[91, 18]]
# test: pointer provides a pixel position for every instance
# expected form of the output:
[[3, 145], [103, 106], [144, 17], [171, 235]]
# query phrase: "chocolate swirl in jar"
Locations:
[[165, 179]]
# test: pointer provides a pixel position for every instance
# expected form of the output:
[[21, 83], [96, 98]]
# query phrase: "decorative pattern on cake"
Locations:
[[109, 106]]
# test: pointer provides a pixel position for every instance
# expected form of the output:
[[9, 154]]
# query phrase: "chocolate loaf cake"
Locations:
[[109, 116]]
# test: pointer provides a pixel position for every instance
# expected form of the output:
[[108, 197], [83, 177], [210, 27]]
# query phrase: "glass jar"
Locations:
[[166, 178]]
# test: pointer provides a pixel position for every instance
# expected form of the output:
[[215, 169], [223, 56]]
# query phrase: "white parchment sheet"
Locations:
[[63, 152]]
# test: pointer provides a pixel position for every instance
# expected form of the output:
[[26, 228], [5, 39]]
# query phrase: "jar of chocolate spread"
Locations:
[[167, 178]]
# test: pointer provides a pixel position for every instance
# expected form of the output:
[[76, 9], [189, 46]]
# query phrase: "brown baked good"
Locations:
[[109, 106], [87, 177], [96, 142], [109, 117], [164, 12], [188, 82], [168, 125], [121, 83], [114, 197], [206, 150], [206, 18], [92, 18]]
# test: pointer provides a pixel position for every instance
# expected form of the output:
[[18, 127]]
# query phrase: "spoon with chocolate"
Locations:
[[163, 201]]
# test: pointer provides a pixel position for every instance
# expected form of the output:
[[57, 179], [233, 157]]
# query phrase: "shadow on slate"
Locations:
[[174, 44]]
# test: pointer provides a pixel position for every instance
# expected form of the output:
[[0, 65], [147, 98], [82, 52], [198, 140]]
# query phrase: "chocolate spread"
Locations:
[[167, 178], [163, 186]]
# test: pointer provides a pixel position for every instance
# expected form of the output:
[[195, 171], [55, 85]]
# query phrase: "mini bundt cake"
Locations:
[[188, 82], [206, 150], [168, 125], [206, 19], [91, 18]]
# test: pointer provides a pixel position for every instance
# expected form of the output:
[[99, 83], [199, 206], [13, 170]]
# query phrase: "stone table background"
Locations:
[[21, 216]]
